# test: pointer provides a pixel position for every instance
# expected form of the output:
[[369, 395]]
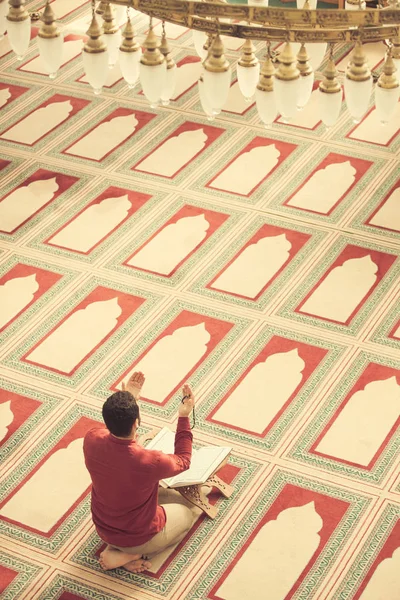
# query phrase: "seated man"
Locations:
[[125, 478]]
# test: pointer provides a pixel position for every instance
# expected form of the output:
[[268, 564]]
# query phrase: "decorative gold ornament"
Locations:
[[387, 78], [101, 8], [17, 11], [396, 47], [330, 83], [129, 43], [166, 51], [95, 42], [216, 61], [48, 29], [267, 73], [357, 69], [287, 70], [152, 55], [109, 25], [303, 65], [272, 23], [248, 57]]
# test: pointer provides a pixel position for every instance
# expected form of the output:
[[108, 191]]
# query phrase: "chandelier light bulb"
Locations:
[[248, 71], [112, 35], [387, 91], [330, 95], [265, 96], [287, 84], [152, 70], [129, 55], [306, 81], [170, 79], [18, 28], [216, 76], [50, 41], [207, 108], [95, 57], [311, 4], [3, 19], [199, 41], [358, 84]]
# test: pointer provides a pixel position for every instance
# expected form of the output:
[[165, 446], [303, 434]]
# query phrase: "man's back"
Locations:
[[125, 480]]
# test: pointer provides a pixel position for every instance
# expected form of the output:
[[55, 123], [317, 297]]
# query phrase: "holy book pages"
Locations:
[[205, 461]]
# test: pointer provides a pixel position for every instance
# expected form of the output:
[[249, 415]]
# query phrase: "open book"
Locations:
[[204, 461]]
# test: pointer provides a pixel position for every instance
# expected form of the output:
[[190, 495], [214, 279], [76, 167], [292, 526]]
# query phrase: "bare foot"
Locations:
[[111, 558], [138, 566]]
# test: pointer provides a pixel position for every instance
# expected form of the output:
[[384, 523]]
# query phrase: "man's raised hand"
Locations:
[[134, 384], [187, 404]]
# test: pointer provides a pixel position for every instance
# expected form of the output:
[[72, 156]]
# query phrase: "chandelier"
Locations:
[[281, 85]]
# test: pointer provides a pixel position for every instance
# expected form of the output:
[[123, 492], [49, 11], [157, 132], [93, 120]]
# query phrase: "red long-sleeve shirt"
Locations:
[[125, 479]]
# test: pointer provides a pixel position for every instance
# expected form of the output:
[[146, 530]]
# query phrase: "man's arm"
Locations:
[[169, 465]]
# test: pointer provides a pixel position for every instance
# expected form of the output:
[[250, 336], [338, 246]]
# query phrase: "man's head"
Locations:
[[120, 413]]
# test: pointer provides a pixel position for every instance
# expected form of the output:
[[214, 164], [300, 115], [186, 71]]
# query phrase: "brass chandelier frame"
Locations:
[[274, 24]]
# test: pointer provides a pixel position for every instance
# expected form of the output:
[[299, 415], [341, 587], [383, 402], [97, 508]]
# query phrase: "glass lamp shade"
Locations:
[[19, 36], [199, 39], [216, 88], [357, 94], [266, 106], [153, 79], [247, 79], [207, 108], [305, 90], [95, 65], [286, 95], [169, 86], [129, 64], [4, 6], [329, 106], [113, 41], [51, 53], [386, 103]]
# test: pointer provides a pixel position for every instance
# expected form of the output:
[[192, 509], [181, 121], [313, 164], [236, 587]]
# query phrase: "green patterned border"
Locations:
[[300, 451], [368, 553], [275, 434], [69, 526], [157, 223], [58, 131], [255, 513], [372, 203], [178, 119], [62, 583], [14, 161], [101, 114], [341, 208], [306, 285], [380, 335], [14, 361], [38, 242], [86, 553], [282, 172], [199, 286], [67, 276], [47, 405], [52, 207], [26, 573], [102, 388]]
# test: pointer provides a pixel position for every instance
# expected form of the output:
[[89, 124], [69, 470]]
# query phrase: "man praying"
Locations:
[[131, 515]]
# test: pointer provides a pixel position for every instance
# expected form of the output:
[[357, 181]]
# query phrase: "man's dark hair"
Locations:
[[120, 411]]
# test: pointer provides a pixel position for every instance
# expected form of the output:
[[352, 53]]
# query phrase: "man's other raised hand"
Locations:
[[186, 406]]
